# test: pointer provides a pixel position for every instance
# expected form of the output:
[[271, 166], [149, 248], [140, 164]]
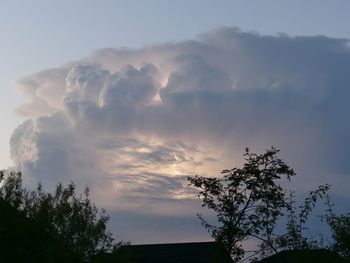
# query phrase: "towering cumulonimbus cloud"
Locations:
[[132, 124]]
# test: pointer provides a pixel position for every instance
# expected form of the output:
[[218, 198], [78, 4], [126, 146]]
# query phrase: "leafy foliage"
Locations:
[[340, 227], [72, 219], [247, 201], [297, 219]]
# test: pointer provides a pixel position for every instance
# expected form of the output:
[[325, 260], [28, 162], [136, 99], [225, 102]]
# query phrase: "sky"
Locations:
[[130, 97]]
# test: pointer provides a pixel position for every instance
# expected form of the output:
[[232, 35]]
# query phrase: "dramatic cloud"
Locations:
[[132, 124]]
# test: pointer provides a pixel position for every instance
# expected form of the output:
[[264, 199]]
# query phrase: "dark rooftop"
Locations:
[[305, 256], [200, 252]]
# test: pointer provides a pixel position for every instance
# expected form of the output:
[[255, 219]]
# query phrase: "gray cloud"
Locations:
[[132, 124]]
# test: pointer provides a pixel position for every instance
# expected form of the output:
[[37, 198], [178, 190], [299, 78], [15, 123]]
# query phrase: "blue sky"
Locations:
[[40, 35]]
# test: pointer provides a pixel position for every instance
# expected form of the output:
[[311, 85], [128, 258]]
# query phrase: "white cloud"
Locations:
[[44, 91], [132, 124]]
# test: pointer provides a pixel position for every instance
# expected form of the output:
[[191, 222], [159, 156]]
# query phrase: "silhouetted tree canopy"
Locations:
[[340, 228], [248, 203], [37, 226]]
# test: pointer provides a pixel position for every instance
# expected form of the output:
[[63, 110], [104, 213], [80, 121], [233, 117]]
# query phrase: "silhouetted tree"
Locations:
[[340, 228], [247, 201], [297, 222], [70, 219], [25, 240]]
